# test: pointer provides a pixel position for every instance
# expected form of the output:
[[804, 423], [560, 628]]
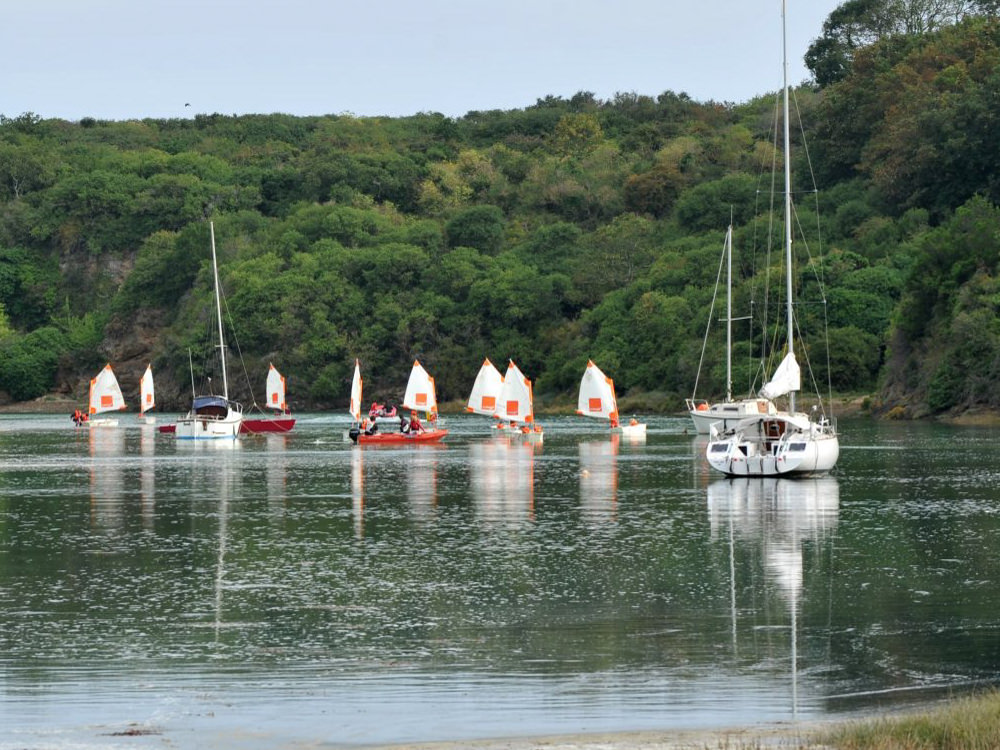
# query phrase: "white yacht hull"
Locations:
[[208, 428], [781, 445]]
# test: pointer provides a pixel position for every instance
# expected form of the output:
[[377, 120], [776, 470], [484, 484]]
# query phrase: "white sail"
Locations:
[[420, 394], [105, 394], [356, 392], [515, 403], [147, 398], [597, 395], [787, 379], [275, 390], [486, 390]]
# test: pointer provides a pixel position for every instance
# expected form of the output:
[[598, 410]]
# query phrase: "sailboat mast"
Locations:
[[788, 194], [218, 313], [729, 314]]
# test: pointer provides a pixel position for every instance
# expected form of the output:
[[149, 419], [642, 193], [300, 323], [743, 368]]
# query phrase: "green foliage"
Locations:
[[573, 228]]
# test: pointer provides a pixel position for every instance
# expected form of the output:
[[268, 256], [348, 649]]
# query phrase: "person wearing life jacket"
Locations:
[[415, 426], [77, 417]]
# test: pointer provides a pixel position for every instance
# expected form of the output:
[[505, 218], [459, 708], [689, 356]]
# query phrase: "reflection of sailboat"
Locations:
[[147, 476], [421, 483], [775, 516], [503, 479], [277, 467], [599, 478], [107, 449], [358, 491]]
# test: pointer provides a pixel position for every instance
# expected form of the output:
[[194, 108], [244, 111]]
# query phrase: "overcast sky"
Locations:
[[126, 59]]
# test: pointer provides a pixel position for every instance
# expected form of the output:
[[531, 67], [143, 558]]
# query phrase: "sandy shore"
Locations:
[[800, 736]]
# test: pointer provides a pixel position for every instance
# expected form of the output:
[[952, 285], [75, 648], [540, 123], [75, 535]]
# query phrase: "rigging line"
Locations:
[[239, 351]]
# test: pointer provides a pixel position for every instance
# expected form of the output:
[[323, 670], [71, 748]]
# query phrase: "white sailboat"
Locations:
[[597, 399], [420, 393], [728, 412], [105, 396], [515, 407], [281, 420], [147, 397], [789, 442], [486, 391], [213, 417]]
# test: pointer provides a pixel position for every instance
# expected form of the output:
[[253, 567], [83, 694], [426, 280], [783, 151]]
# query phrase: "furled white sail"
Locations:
[[515, 404], [420, 394], [356, 392], [147, 398], [105, 394], [787, 378], [597, 395], [275, 387], [486, 390]]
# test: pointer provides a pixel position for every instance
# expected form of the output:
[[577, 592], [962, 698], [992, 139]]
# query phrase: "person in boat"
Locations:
[[415, 427], [79, 417], [371, 428], [375, 409], [614, 421], [404, 426]]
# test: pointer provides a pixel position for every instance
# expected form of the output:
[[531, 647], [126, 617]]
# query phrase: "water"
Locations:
[[295, 589]]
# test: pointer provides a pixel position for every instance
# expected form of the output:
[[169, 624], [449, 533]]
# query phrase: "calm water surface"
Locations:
[[296, 589]]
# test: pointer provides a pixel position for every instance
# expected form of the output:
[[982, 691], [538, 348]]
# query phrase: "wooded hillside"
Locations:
[[572, 229]]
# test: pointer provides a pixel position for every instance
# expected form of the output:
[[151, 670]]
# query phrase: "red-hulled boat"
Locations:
[[401, 438]]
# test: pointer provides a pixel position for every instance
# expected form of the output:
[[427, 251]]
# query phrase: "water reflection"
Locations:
[[421, 483], [147, 472], [502, 480], [107, 446], [771, 519], [599, 478], [358, 490], [276, 466]]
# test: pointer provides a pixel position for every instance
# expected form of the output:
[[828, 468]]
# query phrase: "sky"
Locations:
[[132, 59]]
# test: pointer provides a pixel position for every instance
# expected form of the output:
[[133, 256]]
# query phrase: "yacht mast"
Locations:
[[788, 197], [218, 313]]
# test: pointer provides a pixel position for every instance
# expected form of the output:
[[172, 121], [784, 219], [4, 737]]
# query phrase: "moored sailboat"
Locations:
[[785, 443], [211, 416], [597, 399], [281, 420], [725, 414]]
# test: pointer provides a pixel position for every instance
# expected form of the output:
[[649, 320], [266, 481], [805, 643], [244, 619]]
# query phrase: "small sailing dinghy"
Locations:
[[105, 396], [281, 420], [515, 407], [486, 391], [212, 417], [597, 399], [147, 397], [368, 432]]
